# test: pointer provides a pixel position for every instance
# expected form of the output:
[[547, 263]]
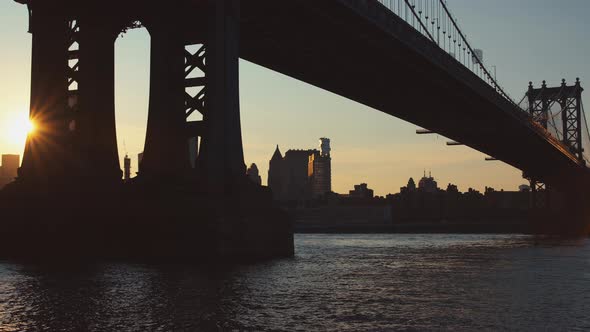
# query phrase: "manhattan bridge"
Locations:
[[407, 58]]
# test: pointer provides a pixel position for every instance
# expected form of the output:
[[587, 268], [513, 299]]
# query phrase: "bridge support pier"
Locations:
[[222, 159], [559, 210], [540, 195], [72, 106], [96, 136], [47, 154], [166, 147]]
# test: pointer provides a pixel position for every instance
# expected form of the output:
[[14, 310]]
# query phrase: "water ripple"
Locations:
[[335, 283]]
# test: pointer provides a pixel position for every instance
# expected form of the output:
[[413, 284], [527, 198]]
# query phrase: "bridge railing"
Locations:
[[434, 20]]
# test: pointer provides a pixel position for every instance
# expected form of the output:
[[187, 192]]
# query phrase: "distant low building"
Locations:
[[451, 188], [10, 165], [361, 191], [411, 185], [524, 188], [9, 169], [343, 218], [430, 204], [516, 200], [254, 175]]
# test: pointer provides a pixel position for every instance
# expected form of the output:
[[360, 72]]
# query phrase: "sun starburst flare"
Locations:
[[17, 130]]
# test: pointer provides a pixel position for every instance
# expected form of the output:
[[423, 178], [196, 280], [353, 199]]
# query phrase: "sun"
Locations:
[[19, 129], [30, 126]]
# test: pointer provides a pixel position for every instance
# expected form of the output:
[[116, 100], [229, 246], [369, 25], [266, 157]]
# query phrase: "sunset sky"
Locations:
[[527, 40]]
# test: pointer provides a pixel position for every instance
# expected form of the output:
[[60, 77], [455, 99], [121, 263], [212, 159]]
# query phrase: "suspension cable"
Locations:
[[420, 20], [487, 73]]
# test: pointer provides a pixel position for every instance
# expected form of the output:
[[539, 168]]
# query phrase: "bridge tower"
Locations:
[[569, 98], [72, 91], [541, 100]]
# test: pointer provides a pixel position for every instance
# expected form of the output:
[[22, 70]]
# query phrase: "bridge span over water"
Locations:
[[409, 59], [405, 58], [362, 50]]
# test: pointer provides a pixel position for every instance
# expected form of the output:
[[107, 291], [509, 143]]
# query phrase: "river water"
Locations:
[[335, 283]]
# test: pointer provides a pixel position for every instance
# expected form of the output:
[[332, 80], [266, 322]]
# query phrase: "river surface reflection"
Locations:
[[335, 282]]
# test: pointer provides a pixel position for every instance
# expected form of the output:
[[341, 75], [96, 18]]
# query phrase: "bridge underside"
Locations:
[[360, 50], [357, 49]]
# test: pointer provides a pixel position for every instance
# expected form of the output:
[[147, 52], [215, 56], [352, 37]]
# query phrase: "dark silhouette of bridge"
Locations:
[[409, 59], [365, 52]]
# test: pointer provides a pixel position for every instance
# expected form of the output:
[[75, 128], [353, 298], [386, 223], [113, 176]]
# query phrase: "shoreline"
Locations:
[[455, 228]]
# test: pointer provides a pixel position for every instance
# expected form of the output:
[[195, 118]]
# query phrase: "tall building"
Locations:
[[254, 175], [126, 168], [320, 170], [295, 177], [288, 175], [428, 184], [275, 174], [301, 174]]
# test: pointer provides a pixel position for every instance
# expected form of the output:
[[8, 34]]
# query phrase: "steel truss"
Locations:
[[571, 107], [195, 62], [73, 72], [539, 104], [539, 195], [569, 98]]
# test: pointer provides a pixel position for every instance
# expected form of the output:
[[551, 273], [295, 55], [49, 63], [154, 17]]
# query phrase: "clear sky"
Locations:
[[528, 40]]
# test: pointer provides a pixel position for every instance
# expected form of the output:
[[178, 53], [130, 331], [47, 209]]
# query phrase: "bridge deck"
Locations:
[[362, 51]]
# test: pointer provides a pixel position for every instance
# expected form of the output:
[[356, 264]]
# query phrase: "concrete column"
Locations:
[[166, 146], [98, 157], [47, 151], [222, 156]]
